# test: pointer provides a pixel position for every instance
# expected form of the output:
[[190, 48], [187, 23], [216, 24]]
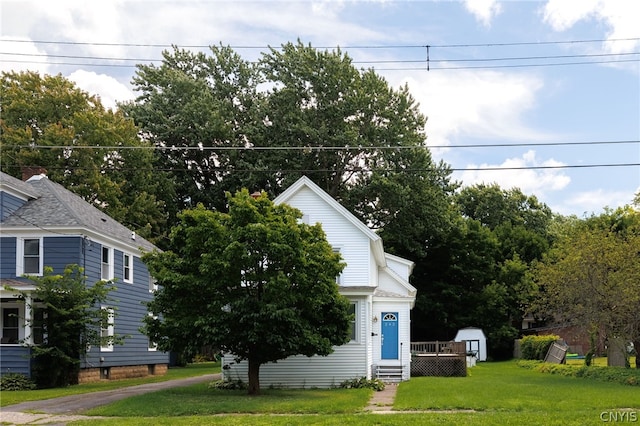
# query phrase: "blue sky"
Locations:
[[523, 105]]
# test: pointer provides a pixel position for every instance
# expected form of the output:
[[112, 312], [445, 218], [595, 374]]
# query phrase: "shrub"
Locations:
[[363, 382], [16, 381], [625, 376], [228, 385], [536, 347]]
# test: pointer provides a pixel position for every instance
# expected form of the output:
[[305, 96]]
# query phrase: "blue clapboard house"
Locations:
[[44, 224]]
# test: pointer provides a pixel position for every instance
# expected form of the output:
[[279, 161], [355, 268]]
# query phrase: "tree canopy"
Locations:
[[69, 322], [254, 282], [48, 122], [591, 276], [225, 123]]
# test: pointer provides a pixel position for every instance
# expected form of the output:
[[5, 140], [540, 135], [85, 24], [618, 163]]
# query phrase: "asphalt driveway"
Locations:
[[56, 410]]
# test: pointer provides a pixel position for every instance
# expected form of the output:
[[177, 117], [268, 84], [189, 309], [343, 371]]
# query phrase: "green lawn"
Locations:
[[198, 399], [494, 393], [15, 397]]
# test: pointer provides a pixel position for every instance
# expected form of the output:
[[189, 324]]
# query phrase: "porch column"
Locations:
[[28, 319]]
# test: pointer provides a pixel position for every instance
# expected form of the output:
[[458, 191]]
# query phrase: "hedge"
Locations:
[[536, 347]]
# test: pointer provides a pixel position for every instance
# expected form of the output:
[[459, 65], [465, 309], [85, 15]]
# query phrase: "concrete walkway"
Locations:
[[64, 409], [382, 401]]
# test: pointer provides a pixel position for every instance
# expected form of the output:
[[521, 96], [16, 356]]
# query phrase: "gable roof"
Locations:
[[305, 182], [56, 209]]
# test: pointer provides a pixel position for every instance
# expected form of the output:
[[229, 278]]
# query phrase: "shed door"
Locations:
[[389, 335], [474, 346]]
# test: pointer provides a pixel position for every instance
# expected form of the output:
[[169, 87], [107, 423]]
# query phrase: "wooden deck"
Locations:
[[438, 358]]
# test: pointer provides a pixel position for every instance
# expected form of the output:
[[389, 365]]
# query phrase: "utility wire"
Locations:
[[387, 61], [397, 46]]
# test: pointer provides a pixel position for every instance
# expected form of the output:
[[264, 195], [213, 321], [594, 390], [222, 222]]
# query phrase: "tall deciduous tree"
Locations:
[[253, 282], [48, 122], [591, 277], [518, 227], [297, 111]]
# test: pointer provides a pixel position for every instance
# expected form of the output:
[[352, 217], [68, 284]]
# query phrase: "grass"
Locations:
[[199, 369], [198, 399], [494, 393]]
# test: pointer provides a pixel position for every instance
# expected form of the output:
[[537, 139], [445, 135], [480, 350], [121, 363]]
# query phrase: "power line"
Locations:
[[387, 61], [396, 46], [323, 148], [426, 63]]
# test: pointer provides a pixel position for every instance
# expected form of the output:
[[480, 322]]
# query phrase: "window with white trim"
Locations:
[[106, 261], [29, 256], [153, 346], [107, 330], [339, 277], [153, 285], [353, 327], [10, 325], [127, 268]]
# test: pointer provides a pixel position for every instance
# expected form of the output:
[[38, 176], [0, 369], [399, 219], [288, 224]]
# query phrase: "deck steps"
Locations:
[[388, 373]]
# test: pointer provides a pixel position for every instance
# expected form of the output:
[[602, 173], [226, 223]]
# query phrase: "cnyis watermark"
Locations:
[[619, 416]]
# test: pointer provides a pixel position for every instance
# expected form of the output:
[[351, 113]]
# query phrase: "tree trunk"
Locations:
[[254, 377], [636, 345]]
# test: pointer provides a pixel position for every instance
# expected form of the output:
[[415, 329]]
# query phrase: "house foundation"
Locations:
[[88, 375]]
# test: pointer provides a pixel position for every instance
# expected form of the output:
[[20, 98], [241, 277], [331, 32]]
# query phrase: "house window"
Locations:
[[106, 330], [107, 263], [32, 256], [353, 327], [153, 346], [339, 277], [29, 257], [127, 268], [153, 285], [10, 325]]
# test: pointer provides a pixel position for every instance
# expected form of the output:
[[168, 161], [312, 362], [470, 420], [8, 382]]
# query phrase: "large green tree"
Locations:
[[591, 277], [480, 268], [255, 282], [224, 123], [48, 122]]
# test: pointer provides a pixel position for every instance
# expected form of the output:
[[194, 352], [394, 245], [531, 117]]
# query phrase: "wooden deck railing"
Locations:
[[438, 348], [438, 359]]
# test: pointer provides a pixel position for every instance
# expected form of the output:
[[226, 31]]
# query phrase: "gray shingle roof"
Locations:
[[57, 207]]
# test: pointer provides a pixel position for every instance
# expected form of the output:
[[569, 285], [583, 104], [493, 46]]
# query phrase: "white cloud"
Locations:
[[480, 104], [106, 87], [619, 16], [483, 10], [530, 181], [16, 56], [594, 201]]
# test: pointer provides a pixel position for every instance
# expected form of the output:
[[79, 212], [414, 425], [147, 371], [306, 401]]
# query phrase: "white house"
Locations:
[[376, 283]]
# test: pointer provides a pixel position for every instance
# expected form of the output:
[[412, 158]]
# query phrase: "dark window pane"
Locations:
[[31, 265], [31, 247]]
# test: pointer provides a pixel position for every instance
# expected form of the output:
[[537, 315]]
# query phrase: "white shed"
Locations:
[[476, 341]]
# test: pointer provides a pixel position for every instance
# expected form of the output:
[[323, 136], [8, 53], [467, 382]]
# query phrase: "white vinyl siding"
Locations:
[[354, 246], [348, 361]]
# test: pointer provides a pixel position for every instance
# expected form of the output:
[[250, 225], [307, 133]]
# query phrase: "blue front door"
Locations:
[[389, 335]]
